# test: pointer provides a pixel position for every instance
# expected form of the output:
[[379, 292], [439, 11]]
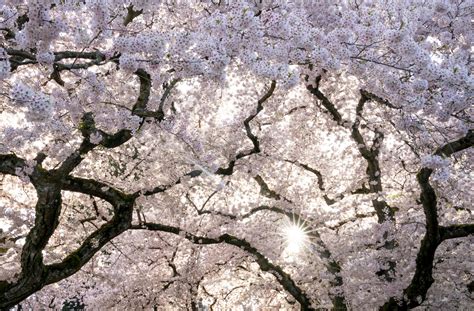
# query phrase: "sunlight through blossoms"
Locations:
[[236, 155], [296, 238]]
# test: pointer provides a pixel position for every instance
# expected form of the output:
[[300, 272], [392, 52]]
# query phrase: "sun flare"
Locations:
[[296, 237]]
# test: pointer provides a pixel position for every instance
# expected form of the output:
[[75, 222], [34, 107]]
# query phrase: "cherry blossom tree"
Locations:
[[214, 154]]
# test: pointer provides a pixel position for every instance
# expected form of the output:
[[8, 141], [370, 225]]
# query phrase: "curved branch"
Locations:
[[378, 99], [332, 266], [76, 260], [255, 142], [131, 15], [319, 176], [95, 188], [265, 265], [32, 276], [457, 145], [383, 210], [88, 127], [336, 116]]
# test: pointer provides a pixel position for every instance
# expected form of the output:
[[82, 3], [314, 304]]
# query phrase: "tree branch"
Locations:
[[456, 231], [332, 266], [73, 262], [383, 210], [415, 293], [265, 265], [9, 163], [32, 276]]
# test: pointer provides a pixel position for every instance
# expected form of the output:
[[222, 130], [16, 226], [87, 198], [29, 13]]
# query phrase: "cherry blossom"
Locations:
[[236, 155]]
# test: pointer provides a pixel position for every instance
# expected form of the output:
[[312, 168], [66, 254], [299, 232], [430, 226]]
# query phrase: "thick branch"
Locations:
[[336, 116], [35, 274], [415, 293], [72, 263], [32, 276], [462, 143], [94, 188], [9, 163], [378, 99], [456, 231], [131, 15], [21, 57]]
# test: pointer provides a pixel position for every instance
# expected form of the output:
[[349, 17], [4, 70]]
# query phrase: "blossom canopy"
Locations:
[[228, 155]]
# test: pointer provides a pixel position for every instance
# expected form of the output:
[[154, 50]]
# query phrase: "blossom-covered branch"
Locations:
[[423, 279], [265, 265]]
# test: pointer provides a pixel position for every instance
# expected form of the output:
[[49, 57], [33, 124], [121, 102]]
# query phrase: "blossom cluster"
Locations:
[[439, 165], [4, 64], [39, 105]]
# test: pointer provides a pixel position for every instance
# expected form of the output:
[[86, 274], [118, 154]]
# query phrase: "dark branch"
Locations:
[[332, 266], [265, 190], [336, 116], [94, 188], [265, 265], [131, 15], [456, 231], [415, 293], [9, 163], [378, 99], [383, 210], [72, 263], [462, 143]]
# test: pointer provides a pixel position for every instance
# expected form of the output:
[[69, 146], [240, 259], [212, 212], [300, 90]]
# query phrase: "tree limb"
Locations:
[[265, 265], [415, 293]]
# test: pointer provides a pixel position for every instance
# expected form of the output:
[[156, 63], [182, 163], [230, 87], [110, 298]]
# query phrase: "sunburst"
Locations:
[[296, 236]]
